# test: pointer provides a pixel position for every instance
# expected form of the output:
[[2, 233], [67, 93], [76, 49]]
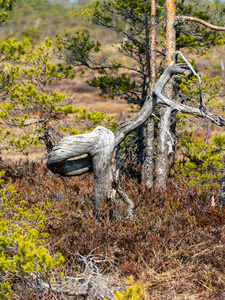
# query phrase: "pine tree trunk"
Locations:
[[162, 166], [148, 172], [162, 154], [149, 153]]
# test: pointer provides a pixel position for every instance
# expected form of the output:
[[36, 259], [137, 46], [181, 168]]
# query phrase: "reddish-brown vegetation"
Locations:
[[175, 243]]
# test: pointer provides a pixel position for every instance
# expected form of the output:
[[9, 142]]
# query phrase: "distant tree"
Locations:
[[50, 18], [33, 34], [83, 3]]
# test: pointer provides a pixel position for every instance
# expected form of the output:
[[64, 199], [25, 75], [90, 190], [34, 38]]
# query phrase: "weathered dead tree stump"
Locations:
[[98, 146], [76, 155]]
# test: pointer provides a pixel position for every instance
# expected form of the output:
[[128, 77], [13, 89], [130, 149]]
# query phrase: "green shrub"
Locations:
[[202, 163], [135, 291], [22, 250]]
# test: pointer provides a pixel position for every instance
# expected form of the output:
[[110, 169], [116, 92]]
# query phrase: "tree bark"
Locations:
[[161, 168], [148, 171], [149, 153], [162, 163]]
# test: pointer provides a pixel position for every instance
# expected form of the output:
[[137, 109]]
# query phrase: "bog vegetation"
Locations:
[[52, 246]]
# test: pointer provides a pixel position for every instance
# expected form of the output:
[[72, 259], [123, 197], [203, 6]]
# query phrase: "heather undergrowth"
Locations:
[[174, 246]]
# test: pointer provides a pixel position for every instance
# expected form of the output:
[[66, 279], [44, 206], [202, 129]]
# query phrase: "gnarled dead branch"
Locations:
[[99, 145]]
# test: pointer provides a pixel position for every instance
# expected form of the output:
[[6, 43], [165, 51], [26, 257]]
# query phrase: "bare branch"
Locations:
[[200, 21], [126, 199], [202, 104], [148, 107], [216, 119], [90, 284]]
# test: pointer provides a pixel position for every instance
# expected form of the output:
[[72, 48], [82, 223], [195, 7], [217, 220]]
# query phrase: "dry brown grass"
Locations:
[[81, 95]]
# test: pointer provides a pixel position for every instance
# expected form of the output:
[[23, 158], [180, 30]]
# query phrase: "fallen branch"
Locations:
[[90, 284]]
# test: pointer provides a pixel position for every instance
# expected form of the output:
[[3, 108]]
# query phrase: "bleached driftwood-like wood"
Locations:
[[216, 119], [99, 145], [149, 106]]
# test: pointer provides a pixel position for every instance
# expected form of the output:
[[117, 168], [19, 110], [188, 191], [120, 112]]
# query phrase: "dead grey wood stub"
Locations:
[[98, 146]]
